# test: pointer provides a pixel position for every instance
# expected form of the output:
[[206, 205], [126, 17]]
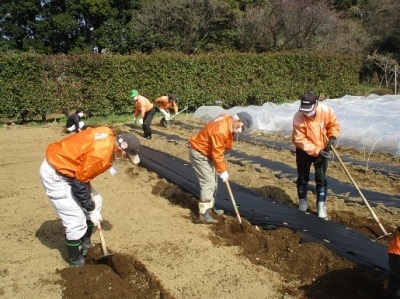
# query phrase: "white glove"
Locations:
[[224, 176], [141, 121], [95, 217]]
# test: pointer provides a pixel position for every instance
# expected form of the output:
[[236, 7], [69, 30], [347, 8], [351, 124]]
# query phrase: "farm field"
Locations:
[[159, 248]]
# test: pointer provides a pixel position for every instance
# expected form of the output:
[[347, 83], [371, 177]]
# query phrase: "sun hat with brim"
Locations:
[[308, 101], [134, 93], [130, 144], [247, 121]]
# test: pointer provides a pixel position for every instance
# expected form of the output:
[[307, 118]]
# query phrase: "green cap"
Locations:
[[134, 93]]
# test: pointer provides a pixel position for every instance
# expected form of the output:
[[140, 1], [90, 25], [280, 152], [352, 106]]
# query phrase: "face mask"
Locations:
[[80, 114], [238, 130], [309, 114]]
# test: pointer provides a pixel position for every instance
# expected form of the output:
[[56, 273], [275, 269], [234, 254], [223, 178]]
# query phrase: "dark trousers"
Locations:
[[393, 290], [304, 161], [147, 119]]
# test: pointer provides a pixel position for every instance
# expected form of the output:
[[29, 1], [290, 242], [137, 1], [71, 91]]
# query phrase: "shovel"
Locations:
[[177, 113], [233, 201], [103, 243], [99, 229], [361, 194]]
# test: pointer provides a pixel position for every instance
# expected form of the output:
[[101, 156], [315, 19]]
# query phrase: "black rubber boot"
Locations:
[[206, 217], [86, 242], [74, 249], [163, 122]]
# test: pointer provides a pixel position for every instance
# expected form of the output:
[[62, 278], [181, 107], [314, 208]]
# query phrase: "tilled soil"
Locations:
[[160, 250]]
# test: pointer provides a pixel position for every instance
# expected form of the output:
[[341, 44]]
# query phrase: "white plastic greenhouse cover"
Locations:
[[369, 123]]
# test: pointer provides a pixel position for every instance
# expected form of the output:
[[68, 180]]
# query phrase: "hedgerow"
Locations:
[[38, 85]]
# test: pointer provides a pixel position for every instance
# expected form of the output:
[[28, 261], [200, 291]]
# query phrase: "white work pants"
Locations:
[[73, 128], [206, 175], [69, 209], [166, 114]]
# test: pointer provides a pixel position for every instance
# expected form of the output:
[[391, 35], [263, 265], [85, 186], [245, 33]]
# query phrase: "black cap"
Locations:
[[308, 101], [130, 144], [246, 119]]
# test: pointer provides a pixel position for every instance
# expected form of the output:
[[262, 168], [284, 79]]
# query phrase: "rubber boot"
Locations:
[[206, 217], [302, 194], [75, 253], [86, 242], [321, 202], [163, 122], [215, 210], [204, 211], [303, 205], [218, 211], [166, 124]]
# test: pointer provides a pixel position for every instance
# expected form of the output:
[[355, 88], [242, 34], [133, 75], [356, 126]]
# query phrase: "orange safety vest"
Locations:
[[308, 133], [164, 103], [214, 139], [142, 106], [394, 246], [83, 155]]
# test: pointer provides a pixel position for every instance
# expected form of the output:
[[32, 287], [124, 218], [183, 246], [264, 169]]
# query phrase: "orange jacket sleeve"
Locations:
[[394, 246], [214, 139], [309, 133], [83, 155]]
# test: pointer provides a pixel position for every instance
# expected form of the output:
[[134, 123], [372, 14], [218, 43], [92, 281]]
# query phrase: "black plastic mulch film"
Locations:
[[264, 212]]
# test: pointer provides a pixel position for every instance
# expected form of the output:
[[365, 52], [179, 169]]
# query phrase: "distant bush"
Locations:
[[38, 85]]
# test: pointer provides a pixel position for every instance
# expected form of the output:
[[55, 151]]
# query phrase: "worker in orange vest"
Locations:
[[165, 103], [393, 290], [66, 174], [207, 157], [144, 111], [315, 129]]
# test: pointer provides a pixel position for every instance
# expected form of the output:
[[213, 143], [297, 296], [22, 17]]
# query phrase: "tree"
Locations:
[[382, 21], [17, 23], [256, 28], [386, 68], [303, 21], [189, 26]]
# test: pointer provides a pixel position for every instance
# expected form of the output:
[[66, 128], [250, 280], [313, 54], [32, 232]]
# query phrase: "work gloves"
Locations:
[[324, 154], [224, 176], [140, 121], [95, 217], [332, 141]]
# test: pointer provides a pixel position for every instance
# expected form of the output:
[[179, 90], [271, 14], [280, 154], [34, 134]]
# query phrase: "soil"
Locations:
[[157, 247]]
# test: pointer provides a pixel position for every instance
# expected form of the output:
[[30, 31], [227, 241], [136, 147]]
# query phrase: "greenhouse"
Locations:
[[368, 123]]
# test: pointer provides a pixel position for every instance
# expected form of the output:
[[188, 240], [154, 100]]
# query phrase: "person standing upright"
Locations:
[[165, 103], [74, 122], [207, 157], [145, 110], [315, 129]]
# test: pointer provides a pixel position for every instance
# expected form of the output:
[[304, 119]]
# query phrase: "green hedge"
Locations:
[[36, 85]]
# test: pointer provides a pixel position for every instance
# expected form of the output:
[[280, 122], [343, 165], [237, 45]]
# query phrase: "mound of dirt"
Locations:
[[112, 276]]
